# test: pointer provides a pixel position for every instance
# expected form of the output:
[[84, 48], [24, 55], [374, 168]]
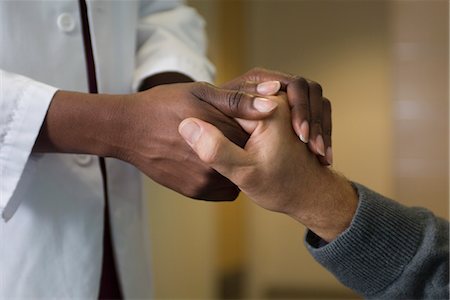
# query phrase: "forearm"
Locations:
[[81, 123], [328, 202], [89, 123]]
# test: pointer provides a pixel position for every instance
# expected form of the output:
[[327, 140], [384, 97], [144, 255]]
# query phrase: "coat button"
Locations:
[[83, 159], [66, 22]]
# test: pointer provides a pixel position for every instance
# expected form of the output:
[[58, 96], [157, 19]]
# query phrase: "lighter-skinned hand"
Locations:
[[276, 170]]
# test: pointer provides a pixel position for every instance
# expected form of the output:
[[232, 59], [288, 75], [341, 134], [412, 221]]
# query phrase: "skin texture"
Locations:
[[153, 144], [277, 171], [310, 111], [142, 128]]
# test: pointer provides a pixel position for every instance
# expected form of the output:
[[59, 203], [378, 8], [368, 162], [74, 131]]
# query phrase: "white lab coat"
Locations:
[[52, 205]]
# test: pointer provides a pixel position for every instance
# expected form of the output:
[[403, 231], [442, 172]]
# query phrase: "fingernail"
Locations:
[[329, 155], [319, 145], [190, 131], [268, 87], [304, 132], [263, 104]]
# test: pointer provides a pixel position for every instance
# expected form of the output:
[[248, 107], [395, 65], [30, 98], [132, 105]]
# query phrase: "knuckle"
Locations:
[[244, 85], [234, 100], [200, 89], [316, 87], [295, 77], [300, 82], [255, 73], [259, 74], [257, 70], [327, 104], [203, 84]]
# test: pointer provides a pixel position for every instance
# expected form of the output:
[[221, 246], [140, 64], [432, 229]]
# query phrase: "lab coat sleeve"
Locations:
[[24, 104], [171, 37]]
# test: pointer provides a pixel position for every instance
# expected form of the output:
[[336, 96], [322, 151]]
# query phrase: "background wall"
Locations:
[[420, 52], [345, 46], [359, 51]]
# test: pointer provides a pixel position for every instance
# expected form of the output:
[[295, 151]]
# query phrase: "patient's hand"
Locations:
[[277, 171]]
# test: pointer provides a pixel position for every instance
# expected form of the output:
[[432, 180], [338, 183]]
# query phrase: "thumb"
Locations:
[[234, 103], [212, 147]]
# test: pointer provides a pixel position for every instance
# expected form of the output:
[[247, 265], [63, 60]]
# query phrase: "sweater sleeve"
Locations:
[[389, 251]]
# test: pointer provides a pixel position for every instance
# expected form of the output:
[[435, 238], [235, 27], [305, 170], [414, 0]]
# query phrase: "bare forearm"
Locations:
[[331, 205], [80, 123], [84, 123], [141, 129]]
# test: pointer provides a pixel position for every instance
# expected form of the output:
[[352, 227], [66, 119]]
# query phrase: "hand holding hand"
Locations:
[[310, 111], [277, 171], [149, 138], [142, 130]]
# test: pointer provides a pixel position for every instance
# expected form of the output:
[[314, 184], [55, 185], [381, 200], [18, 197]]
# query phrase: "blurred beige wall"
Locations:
[[348, 47], [344, 45], [182, 235], [420, 96]]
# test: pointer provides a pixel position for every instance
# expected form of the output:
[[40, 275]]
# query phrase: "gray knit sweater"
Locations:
[[389, 251]]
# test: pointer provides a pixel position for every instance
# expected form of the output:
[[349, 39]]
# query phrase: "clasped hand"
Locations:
[[276, 170], [156, 148]]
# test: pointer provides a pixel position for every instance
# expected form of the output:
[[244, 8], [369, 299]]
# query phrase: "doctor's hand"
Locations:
[[141, 129], [151, 141], [277, 171], [310, 111]]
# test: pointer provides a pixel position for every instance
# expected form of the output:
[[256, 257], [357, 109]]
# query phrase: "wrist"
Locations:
[[329, 206], [80, 123], [112, 125]]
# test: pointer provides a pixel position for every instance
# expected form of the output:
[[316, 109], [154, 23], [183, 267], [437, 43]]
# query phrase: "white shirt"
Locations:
[[52, 205]]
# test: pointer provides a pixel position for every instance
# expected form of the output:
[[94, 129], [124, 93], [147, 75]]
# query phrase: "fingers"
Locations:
[[259, 75], [316, 107], [234, 103], [267, 88], [311, 117], [327, 130], [212, 147], [309, 113], [298, 97]]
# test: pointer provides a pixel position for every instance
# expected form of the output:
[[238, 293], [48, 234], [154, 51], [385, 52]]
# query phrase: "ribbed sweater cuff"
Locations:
[[372, 253]]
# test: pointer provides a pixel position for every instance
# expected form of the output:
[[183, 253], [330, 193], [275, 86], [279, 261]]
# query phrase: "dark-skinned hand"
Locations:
[[310, 111], [141, 129], [154, 145]]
